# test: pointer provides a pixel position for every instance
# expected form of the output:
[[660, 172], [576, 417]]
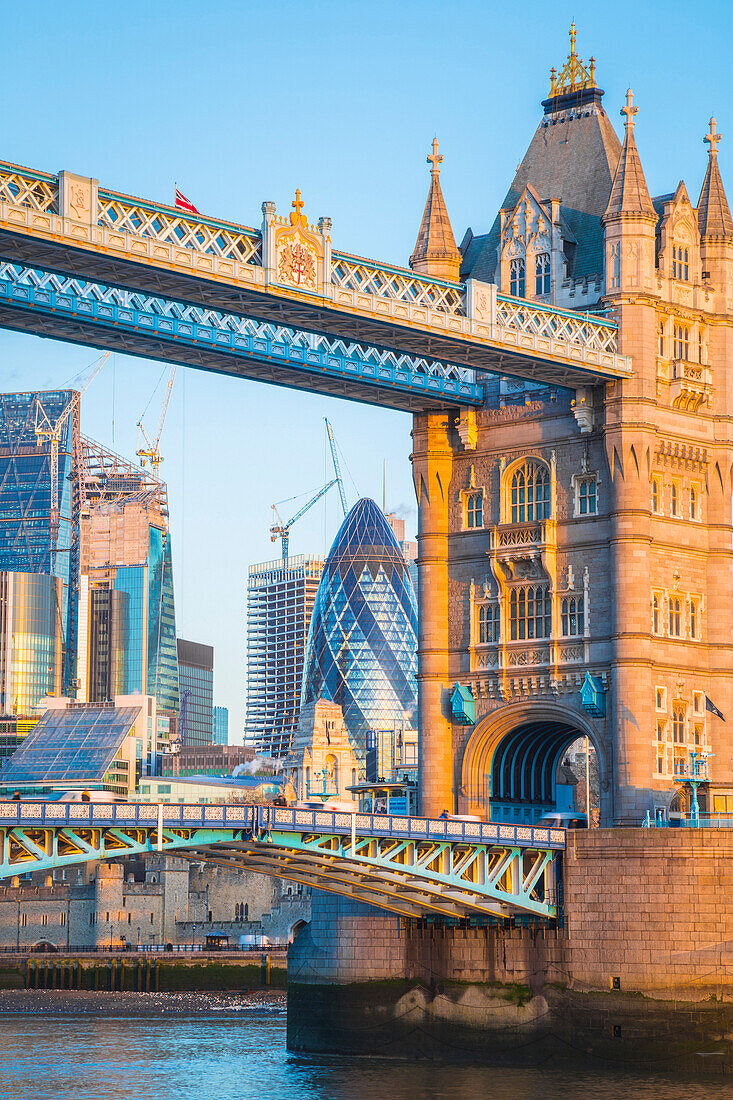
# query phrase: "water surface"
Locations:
[[219, 1047]]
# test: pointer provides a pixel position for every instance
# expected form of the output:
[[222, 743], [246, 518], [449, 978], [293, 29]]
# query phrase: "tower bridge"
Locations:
[[286, 275], [568, 371]]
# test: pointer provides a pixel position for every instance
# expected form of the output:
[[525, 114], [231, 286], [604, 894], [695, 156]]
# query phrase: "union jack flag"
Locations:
[[183, 203]]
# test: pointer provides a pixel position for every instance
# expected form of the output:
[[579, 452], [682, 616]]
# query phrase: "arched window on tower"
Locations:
[[542, 273], [681, 342], [573, 617], [530, 493], [680, 262], [488, 623], [656, 614], [675, 617], [517, 277]]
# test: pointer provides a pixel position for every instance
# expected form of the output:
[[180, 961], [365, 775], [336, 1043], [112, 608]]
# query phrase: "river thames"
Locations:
[[221, 1047]]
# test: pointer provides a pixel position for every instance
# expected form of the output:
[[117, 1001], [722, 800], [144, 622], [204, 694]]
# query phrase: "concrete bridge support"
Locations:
[[639, 972]]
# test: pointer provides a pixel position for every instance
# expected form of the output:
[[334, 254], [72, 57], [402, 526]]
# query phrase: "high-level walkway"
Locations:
[[408, 865], [315, 317]]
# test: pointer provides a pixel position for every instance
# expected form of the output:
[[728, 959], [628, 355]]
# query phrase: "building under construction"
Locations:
[[38, 535], [280, 598], [127, 630]]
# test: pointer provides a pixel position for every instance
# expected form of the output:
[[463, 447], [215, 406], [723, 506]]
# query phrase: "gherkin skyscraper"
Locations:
[[362, 642]]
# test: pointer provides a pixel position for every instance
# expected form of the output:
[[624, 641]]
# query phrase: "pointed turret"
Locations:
[[630, 221], [629, 192], [713, 212], [435, 251]]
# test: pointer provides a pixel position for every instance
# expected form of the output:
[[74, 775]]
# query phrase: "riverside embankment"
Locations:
[[144, 972]]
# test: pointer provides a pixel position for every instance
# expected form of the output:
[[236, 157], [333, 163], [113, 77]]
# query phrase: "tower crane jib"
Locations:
[[336, 466], [151, 451], [48, 432], [280, 530]]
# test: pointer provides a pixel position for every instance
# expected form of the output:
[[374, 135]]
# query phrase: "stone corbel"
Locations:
[[467, 429], [582, 407]]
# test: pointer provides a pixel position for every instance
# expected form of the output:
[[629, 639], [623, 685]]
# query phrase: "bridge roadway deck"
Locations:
[[408, 865], [67, 224]]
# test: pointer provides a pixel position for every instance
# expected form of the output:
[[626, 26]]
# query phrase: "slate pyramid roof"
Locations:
[[435, 241], [629, 193], [572, 157], [713, 212]]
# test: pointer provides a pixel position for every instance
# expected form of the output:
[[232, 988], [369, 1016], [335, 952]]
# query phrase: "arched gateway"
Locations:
[[511, 760]]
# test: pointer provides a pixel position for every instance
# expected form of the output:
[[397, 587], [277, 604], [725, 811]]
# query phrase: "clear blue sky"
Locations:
[[240, 102]]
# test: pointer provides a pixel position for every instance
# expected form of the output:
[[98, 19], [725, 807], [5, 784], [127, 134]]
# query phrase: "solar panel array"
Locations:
[[74, 746]]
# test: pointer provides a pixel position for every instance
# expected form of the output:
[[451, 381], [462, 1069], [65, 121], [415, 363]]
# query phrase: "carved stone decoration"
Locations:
[[299, 249]]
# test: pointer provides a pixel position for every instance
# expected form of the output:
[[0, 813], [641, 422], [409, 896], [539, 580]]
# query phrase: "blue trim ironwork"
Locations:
[[100, 308]]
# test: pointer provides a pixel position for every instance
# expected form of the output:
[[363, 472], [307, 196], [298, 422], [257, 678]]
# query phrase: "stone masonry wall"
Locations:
[[652, 908]]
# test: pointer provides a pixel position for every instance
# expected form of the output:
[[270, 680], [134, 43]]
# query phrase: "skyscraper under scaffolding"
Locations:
[[38, 535], [127, 630], [280, 598]]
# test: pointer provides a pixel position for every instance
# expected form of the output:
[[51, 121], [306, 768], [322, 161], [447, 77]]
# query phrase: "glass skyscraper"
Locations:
[[196, 685], [31, 646], [221, 726], [362, 643], [37, 534]]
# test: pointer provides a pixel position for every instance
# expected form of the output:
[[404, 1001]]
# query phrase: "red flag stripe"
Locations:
[[184, 204]]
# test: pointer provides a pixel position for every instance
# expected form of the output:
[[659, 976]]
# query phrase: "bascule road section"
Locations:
[[412, 866], [276, 303]]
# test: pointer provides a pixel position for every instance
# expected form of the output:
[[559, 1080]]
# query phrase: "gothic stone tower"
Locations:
[[575, 548]]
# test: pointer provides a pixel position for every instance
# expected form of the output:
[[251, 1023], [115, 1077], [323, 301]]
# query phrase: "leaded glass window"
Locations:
[[475, 510], [573, 616], [530, 493], [517, 277], [488, 623], [530, 614], [542, 273]]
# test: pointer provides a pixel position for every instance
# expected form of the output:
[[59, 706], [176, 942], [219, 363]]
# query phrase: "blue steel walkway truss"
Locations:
[[67, 308], [412, 866]]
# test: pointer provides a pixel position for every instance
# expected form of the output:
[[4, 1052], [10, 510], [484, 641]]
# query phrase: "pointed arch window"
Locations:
[[661, 337], [488, 623], [656, 614], [517, 277], [542, 273], [572, 617], [681, 342], [675, 617], [680, 262], [530, 493]]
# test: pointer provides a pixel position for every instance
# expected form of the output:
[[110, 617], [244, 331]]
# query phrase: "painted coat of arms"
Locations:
[[297, 265]]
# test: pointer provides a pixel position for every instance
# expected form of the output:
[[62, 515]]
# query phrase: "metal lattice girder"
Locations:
[[66, 223], [407, 865], [65, 307]]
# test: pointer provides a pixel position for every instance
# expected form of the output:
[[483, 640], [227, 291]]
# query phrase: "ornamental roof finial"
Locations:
[[629, 110], [574, 75], [297, 218], [435, 159], [712, 139]]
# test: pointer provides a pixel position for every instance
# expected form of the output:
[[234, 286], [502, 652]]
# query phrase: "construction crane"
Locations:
[[151, 452], [48, 432], [336, 466], [280, 530]]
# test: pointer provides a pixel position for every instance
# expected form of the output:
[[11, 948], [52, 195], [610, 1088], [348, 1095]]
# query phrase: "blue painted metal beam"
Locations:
[[407, 865], [67, 308]]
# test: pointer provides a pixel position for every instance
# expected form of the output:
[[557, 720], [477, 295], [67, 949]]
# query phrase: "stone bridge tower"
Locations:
[[576, 548]]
